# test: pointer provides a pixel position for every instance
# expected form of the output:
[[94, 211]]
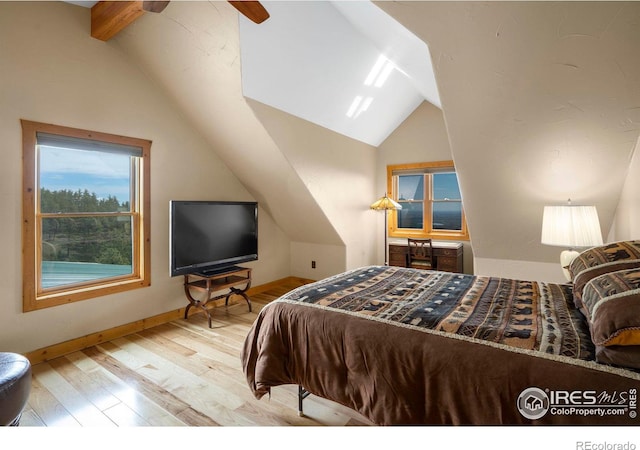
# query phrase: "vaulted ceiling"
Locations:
[[541, 99], [346, 66], [193, 50]]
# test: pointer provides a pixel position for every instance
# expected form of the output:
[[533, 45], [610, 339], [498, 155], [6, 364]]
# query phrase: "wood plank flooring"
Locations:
[[177, 374]]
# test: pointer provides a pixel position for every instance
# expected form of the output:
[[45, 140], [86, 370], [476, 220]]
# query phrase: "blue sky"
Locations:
[[445, 186], [101, 173]]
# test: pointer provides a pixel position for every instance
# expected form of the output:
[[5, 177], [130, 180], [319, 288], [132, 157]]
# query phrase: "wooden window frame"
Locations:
[[426, 231], [35, 298]]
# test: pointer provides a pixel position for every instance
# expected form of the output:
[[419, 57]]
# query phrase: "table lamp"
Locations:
[[570, 226]]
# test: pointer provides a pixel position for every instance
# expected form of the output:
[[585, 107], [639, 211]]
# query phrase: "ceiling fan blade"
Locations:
[[152, 6], [253, 11]]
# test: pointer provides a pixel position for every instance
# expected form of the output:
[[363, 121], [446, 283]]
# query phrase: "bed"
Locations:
[[407, 346]]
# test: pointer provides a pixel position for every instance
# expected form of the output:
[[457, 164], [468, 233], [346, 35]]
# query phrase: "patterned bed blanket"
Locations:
[[405, 346], [530, 315]]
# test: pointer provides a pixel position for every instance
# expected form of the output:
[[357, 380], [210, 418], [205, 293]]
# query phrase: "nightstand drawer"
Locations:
[[398, 259], [447, 264], [397, 249]]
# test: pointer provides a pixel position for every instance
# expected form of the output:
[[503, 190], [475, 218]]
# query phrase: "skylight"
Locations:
[[310, 60]]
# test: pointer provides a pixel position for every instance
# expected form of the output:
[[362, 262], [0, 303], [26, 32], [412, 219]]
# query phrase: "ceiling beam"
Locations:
[[153, 6], [253, 11], [108, 18]]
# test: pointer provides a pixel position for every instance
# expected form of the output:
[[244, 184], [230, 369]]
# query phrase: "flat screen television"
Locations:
[[209, 237]]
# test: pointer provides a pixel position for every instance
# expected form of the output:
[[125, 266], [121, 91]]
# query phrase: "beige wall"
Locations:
[[53, 71], [541, 105], [626, 223], [422, 137], [312, 181], [339, 173]]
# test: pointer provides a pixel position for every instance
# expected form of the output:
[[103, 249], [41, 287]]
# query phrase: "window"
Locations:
[[85, 214], [430, 199]]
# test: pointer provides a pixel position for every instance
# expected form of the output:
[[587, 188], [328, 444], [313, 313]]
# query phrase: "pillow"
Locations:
[[622, 356], [611, 303], [604, 254], [599, 260], [589, 274]]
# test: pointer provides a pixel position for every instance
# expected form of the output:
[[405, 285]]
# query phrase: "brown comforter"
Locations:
[[403, 346]]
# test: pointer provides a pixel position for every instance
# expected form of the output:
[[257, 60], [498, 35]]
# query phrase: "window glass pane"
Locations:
[[83, 249], [410, 187], [445, 186], [83, 181], [447, 216], [410, 216]]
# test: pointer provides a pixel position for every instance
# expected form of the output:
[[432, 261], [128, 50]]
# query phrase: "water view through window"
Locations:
[[446, 203], [411, 196]]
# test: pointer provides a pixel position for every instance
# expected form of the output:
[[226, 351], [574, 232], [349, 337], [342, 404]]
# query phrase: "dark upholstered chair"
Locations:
[[15, 386], [420, 254]]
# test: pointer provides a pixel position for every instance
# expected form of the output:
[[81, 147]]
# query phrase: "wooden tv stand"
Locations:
[[214, 282]]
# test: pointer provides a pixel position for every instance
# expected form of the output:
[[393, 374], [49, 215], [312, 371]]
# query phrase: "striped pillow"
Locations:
[[597, 261], [611, 303]]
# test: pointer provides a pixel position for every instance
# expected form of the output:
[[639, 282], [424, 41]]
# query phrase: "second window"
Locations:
[[430, 198]]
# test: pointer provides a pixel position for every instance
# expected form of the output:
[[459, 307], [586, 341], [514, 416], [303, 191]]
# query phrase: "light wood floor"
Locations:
[[178, 374]]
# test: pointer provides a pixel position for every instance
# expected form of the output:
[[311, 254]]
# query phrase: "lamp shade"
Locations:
[[571, 226], [385, 203]]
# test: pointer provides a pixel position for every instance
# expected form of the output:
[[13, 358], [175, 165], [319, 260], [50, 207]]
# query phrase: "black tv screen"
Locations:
[[211, 236]]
